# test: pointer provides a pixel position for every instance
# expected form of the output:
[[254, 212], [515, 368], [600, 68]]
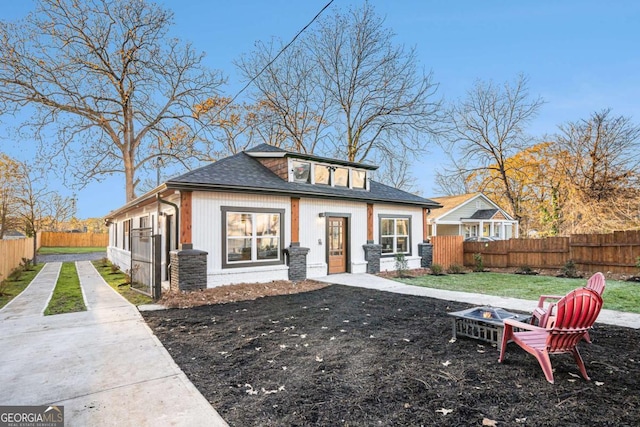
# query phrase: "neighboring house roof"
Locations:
[[451, 203], [484, 214], [13, 233], [243, 172]]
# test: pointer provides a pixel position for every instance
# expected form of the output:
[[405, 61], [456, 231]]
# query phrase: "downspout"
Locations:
[[175, 207]]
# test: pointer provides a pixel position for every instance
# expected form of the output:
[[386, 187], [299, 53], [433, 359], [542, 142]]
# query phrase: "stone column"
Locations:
[[188, 269], [297, 261], [425, 251], [372, 254]]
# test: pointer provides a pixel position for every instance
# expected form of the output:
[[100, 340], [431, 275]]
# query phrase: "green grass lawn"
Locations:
[[49, 250], [67, 295], [618, 295], [16, 283], [116, 278]]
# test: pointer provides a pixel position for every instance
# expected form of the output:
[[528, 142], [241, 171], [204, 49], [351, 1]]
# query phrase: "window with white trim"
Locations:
[[252, 237], [395, 235]]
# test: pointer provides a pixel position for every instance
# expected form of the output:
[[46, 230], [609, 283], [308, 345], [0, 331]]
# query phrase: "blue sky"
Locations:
[[581, 56]]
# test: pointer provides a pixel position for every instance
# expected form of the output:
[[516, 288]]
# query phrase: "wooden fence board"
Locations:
[[52, 239], [447, 250], [615, 252], [11, 254]]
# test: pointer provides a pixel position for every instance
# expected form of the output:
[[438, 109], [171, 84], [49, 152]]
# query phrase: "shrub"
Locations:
[[26, 264], [525, 269], [437, 270], [104, 262], [455, 269], [478, 265], [401, 265], [569, 269], [115, 269]]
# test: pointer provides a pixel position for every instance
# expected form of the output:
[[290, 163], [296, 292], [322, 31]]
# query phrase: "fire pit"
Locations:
[[483, 323]]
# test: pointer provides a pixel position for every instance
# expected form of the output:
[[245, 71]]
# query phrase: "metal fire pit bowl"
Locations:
[[483, 323]]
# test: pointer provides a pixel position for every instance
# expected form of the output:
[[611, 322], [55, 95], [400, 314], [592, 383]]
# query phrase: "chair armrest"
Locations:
[[543, 298], [517, 324]]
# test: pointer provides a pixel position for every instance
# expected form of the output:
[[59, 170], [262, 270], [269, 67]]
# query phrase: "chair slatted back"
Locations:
[[597, 283], [576, 313]]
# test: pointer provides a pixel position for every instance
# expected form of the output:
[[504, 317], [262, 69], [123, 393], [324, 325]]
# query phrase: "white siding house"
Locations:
[[246, 211], [471, 215]]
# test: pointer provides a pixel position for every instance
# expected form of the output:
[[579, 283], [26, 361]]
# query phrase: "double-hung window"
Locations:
[[394, 235], [252, 236]]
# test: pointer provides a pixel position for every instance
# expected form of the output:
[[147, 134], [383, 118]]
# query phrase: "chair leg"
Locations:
[[580, 362], [587, 338], [545, 364], [507, 334]]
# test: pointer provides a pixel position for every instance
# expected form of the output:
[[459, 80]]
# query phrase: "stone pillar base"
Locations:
[[188, 269], [425, 251], [297, 261], [372, 254]]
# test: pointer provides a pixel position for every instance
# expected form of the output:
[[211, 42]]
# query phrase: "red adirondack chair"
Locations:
[[541, 314], [575, 314]]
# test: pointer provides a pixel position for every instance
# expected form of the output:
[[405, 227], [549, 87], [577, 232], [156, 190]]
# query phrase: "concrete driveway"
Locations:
[[104, 365]]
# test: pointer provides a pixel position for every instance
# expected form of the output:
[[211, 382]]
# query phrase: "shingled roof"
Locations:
[[244, 173]]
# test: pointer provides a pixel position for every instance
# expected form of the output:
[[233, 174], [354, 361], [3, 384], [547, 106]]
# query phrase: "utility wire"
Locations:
[[275, 57]]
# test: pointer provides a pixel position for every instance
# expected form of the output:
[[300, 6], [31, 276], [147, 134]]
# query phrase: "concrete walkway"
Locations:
[[610, 317], [104, 365]]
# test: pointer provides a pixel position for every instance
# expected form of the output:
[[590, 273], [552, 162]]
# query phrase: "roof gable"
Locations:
[[451, 205]]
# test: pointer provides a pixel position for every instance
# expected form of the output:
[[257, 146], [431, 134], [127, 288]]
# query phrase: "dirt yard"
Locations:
[[342, 356]]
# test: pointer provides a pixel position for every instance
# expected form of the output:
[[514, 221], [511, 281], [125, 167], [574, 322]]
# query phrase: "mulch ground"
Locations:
[[344, 356]]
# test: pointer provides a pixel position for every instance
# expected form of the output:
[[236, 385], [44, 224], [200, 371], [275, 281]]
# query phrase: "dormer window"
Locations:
[[341, 177], [315, 173], [322, 174], [301, 172], [358, 179]]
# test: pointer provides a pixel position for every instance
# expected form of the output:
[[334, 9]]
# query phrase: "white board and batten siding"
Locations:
[[313, 233], [206, 217], [413, 260]]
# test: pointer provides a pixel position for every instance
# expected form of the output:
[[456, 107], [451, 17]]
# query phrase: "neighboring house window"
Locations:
[[358, 179], [252, 236], [341, 177], [301, 172], [144, 221], [394, 235]]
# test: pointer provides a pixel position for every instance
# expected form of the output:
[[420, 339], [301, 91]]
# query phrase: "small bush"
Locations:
[[104, 262], [456, 269], [437, 270], [526, 270], [569, 270], [478, 264], [401, 265], [26, 264], [115, 269]]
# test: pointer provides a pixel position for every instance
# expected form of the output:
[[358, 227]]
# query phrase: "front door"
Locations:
[[337, 240]]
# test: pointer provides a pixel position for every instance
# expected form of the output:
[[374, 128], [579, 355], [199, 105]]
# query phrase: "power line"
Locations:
[[275, 57]]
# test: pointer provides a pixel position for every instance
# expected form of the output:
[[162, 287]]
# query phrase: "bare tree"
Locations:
[[9, 182], [107, 77], [488, 127], [31, 197], [347, 90], [603, 155]]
